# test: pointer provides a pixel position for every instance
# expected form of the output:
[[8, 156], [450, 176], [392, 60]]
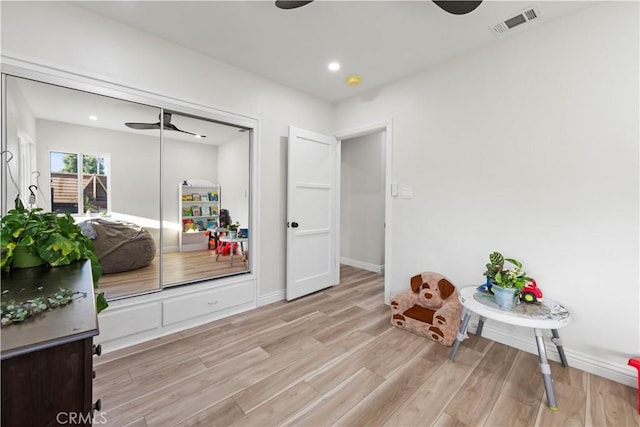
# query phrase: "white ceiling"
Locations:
[[380, 40]]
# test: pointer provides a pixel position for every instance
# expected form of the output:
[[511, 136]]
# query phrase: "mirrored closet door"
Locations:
[[205, 200], [123, 170]]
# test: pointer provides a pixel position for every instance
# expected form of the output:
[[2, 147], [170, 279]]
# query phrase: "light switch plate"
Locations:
[[406, 193]]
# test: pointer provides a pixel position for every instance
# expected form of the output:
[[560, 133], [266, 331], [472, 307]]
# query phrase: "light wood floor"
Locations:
[[179, 268], [333, 358]]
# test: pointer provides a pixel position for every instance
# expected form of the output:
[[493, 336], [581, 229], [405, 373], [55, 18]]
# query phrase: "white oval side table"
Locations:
[[546, 314]]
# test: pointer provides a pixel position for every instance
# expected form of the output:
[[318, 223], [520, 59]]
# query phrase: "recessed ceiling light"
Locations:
[[198, 136], [93, 118], [334, 66]]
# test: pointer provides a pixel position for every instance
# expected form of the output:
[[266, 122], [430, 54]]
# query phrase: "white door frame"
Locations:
[[387, 126]]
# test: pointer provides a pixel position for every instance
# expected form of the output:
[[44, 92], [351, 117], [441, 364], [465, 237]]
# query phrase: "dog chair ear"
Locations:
[[446, 288], [416, 282]]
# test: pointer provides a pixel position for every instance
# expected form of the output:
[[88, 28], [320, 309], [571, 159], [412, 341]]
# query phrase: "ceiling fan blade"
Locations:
[[169, 126], [284, 4], [457, 7], [143, 126]]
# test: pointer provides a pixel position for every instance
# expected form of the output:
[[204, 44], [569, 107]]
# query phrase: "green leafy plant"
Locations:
[[497, 274], [495, 265], [15, 312], [53, 237], [233, 226]]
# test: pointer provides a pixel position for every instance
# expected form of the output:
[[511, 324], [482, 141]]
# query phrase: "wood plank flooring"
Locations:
[[333, 358], [178, 268]]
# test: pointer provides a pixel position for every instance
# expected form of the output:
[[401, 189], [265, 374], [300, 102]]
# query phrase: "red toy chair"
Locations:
[[225, 248], [636, 364]]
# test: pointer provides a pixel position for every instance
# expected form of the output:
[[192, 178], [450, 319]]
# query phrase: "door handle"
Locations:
[[294, 225]]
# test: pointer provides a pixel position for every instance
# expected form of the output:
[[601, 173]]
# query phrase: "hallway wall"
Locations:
[[362, 202]]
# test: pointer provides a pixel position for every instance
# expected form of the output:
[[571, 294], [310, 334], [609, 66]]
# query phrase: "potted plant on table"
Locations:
[[232, 229], [32, 237], [505, 284]]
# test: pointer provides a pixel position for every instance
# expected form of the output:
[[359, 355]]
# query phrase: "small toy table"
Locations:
[[546, 314], [232, 240]]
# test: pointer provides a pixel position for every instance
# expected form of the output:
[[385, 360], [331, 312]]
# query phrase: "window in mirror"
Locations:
[[70, 194], [98, 169]]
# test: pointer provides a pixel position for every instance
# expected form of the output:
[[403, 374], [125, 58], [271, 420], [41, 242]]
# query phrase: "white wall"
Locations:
[[528, 147], [135, 166], [21, 124], [362, 201], [135, 162], [72, 39], [233, 166]]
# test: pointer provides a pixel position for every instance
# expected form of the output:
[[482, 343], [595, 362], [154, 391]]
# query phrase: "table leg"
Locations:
[[461, 334], [545, 369], [480, 325], [558, 343]]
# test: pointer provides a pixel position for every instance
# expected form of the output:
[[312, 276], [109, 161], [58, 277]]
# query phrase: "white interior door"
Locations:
[[312, 212]]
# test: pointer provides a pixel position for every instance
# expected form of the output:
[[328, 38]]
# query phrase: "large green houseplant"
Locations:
[[53, 237]]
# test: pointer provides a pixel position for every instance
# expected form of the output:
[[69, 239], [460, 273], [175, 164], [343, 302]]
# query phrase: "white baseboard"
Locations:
[[169, 249], [271, 298], [619, 373], [363, 265]]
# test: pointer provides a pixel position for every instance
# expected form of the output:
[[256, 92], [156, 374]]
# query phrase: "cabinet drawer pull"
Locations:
[[98, 405], [212, 303], [93, 374], [97, 350]]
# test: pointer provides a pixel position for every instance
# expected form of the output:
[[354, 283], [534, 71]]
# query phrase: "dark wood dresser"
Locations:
[[47, 360]]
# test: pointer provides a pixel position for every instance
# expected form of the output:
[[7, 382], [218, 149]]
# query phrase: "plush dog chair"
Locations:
[[430, 309]]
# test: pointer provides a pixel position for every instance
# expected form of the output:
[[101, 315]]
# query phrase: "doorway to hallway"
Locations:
[[362, 201]]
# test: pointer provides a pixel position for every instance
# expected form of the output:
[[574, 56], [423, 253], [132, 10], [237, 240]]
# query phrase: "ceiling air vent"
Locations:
[[527, 15]]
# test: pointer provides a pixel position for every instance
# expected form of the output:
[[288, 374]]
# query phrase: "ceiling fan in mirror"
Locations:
[[455, 7], [167, 125]]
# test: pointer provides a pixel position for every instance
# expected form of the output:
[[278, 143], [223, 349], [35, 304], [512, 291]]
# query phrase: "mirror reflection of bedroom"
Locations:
[[164, 207]]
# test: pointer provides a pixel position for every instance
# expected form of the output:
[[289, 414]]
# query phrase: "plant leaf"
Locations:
[[514, 262], [101, 302]]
